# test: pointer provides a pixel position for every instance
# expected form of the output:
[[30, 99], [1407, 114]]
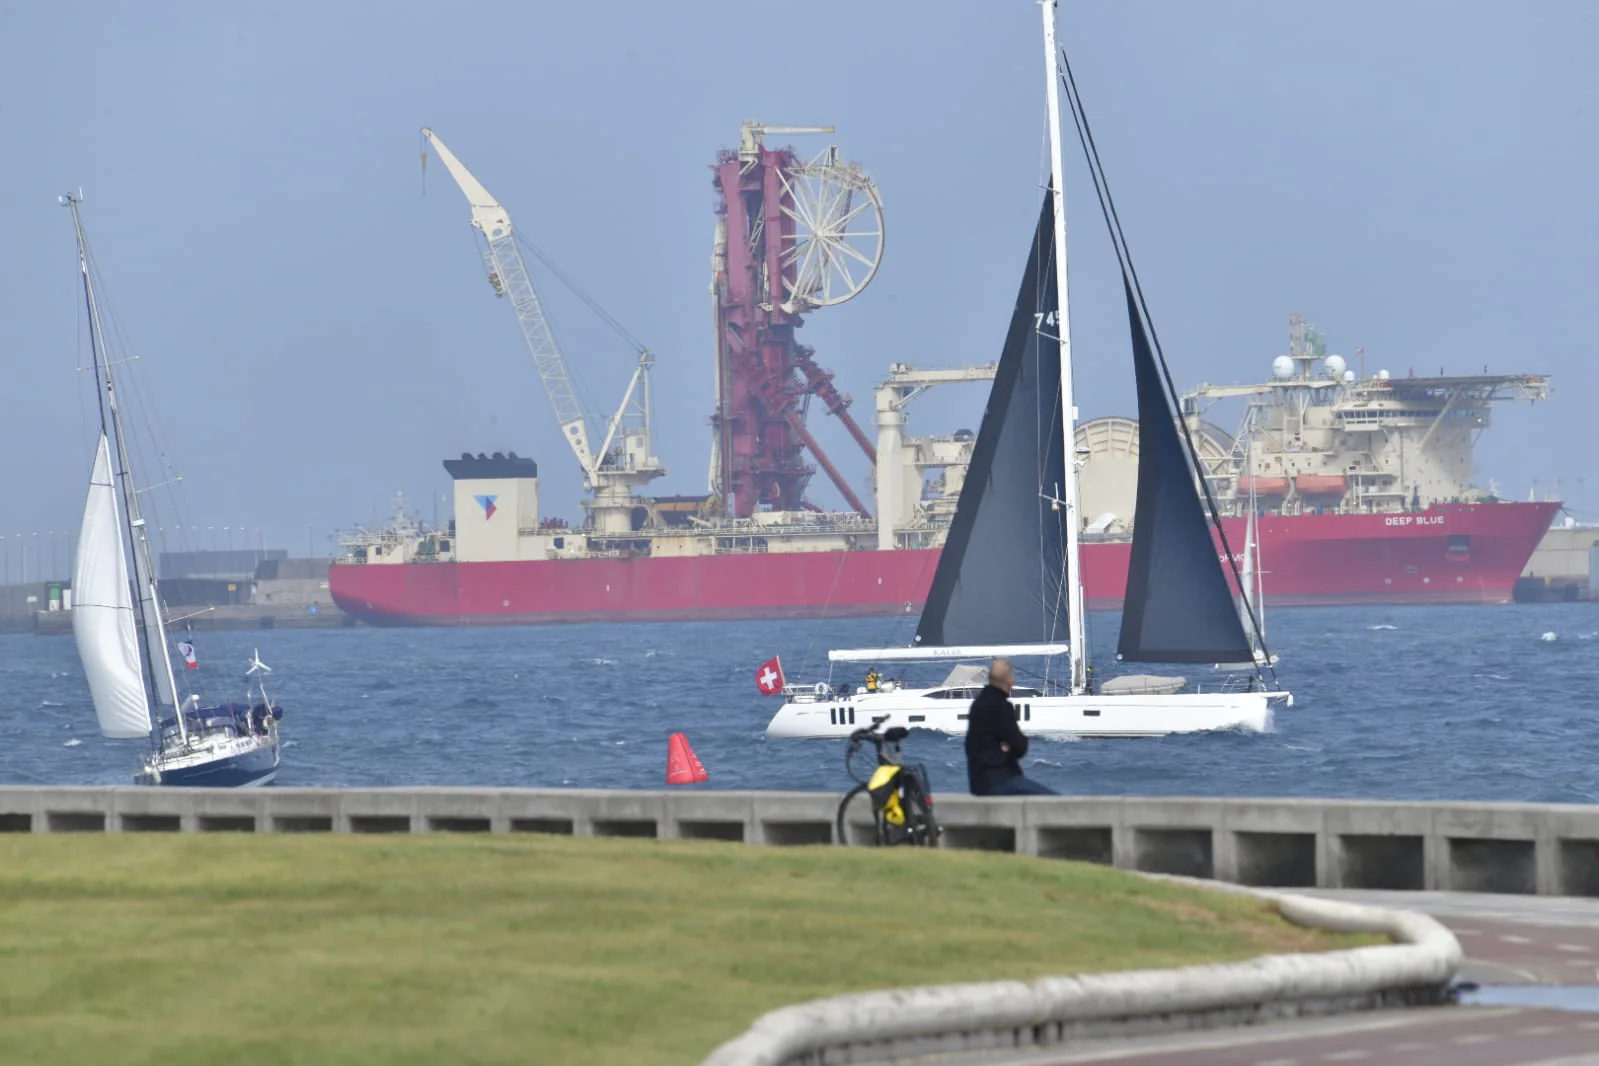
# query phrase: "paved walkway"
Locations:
[[1509, 940]]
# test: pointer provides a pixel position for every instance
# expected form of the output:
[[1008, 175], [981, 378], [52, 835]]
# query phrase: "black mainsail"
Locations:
[[1001, 578], [1178, 607]]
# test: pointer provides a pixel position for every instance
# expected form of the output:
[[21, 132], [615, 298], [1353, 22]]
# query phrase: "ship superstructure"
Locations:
[[1327, 439]]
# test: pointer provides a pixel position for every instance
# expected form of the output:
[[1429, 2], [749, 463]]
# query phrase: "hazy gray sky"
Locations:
[[1414, 177]]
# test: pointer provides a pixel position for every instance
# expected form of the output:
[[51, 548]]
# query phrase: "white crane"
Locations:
[[618, 467], [900, 458]]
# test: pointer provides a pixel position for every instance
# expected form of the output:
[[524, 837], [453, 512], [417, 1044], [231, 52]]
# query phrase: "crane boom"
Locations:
[[509, 276]]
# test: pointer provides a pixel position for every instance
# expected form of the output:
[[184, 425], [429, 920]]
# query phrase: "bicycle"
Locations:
[[900, 797]]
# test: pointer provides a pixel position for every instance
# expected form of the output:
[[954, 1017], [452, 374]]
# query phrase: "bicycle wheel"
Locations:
[[859, 814], [860, 760]]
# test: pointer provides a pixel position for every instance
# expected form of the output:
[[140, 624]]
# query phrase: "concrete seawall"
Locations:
[[1285, 843]]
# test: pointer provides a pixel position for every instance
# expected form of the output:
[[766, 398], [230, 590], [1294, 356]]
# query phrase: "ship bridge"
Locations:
[[1320, 437]]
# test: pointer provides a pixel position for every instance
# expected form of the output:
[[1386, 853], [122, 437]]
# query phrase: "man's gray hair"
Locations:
[[1000, 670]]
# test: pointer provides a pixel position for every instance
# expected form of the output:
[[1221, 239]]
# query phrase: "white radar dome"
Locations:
[[1282, 368], [1349, 377], [1335, 366], [1382, 375]]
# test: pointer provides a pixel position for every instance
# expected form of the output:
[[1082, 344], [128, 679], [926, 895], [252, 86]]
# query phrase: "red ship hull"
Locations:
[[1451, 553]]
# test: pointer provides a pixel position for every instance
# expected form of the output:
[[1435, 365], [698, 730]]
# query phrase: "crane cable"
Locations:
[[577, 290]]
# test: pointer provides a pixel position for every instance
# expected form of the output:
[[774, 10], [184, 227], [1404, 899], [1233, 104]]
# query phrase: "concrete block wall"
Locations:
[[1284, 843]]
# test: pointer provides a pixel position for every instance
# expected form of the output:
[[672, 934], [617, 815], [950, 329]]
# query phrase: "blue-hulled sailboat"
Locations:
[[128, 664]]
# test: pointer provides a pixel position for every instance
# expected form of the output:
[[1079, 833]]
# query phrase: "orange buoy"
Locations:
[[683, 767]]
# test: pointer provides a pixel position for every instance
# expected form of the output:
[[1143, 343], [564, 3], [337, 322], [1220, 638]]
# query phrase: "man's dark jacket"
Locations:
[[992, 722]]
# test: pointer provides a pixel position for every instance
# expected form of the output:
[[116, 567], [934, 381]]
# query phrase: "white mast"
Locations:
[[1247, 597], [155, 634], [1074, 589]]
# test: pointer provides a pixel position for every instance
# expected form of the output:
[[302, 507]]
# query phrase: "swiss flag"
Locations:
[[769, 678]]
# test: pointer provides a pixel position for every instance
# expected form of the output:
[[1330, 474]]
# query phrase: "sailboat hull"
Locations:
[[246, 767], [1059, 717]]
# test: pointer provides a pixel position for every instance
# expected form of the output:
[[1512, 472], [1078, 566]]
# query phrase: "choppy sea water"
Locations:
[[1455, 702]]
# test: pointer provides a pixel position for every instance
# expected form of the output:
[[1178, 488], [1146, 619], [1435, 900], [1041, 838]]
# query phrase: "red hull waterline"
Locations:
[[1450, 553]]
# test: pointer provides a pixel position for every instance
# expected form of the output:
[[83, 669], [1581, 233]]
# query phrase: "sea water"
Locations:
[[1462, 702]]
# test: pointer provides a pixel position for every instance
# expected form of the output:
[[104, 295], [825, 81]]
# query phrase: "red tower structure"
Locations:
[[791, 236]]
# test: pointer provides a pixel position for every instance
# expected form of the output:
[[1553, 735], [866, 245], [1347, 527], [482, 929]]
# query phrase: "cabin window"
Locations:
[[1459, 544], [852, 716], [1090, 714], [918, 717]]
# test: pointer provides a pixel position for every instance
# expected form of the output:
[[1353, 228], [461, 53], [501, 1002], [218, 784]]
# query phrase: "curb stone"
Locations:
[[942, 1019]]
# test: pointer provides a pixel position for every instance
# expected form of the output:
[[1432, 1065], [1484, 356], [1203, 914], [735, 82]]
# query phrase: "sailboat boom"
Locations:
[[970, 651]]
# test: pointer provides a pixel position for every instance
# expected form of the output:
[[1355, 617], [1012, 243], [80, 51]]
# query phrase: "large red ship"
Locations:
[[1361, 484], [1450, 553]]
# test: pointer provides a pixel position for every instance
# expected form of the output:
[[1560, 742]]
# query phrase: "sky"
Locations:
[[314, 332]]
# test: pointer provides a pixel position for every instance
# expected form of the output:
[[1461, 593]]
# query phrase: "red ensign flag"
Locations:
[[769, 678]]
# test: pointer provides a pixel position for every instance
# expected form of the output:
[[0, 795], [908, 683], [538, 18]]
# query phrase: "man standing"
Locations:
[[994, 743]]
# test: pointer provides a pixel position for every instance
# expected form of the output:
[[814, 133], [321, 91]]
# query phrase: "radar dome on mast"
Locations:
[[1335, 366], [1349, 377], [1282, 368]]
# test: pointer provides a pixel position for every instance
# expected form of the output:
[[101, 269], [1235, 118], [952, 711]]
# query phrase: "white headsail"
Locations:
[[103, 612]]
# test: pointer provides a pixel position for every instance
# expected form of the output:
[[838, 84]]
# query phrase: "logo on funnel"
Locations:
[[487, 503]]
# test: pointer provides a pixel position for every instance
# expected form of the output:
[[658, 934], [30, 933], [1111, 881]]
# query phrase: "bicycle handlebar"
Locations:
[[893, 735]]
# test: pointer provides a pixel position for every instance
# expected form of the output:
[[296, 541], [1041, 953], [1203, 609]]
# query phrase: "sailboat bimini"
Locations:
[[1009, 581], [117, 620]]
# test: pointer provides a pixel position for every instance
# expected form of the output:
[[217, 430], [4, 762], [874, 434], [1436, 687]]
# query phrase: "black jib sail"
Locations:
[[1001, 578], [1178, 607]]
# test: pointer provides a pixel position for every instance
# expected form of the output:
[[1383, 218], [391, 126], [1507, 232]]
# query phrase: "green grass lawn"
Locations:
[[312, 950]]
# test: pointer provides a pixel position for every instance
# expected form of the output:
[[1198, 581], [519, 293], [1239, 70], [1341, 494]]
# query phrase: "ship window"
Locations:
[[961, 717], [1090, 714], [918, 717], [560, 542], [852, 716], [1459, 543], [444, 545], [1410, 569]]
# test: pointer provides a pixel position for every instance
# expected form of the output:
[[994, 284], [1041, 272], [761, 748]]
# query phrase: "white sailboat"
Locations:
[[121, 634], [1251, 593], [1009, 580]]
